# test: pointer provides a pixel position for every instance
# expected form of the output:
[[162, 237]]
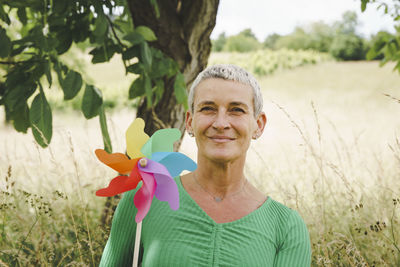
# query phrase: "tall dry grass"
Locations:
[[331, 150]]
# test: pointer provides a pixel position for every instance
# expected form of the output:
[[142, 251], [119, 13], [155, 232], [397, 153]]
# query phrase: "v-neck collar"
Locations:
[[194, 203]]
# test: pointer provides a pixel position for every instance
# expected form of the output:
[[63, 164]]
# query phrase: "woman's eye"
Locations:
[[238, 110], [206, 108]]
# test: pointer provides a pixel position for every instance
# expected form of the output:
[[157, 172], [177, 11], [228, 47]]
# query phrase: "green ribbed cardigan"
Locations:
[[272, 235]]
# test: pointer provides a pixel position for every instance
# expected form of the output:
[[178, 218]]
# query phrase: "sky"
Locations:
[[265, 17]]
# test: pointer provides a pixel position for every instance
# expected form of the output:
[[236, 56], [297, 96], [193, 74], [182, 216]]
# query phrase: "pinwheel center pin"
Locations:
[[143, 162]]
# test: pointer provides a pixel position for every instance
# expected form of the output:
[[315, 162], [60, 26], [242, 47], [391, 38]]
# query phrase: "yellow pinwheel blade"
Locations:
[[136, 138]]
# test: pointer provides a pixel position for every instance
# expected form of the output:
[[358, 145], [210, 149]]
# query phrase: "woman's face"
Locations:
[[223, 120]]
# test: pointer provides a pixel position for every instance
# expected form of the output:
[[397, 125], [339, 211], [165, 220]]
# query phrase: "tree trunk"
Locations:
[[183, 33]]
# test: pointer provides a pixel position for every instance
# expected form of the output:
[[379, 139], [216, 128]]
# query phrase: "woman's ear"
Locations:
[[261, 122], [188, 123]]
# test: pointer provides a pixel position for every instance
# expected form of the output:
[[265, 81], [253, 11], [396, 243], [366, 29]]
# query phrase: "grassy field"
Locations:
[[331, 150]]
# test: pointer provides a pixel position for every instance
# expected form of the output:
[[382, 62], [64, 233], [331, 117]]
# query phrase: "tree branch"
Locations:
[[118, 40], [114, 33]]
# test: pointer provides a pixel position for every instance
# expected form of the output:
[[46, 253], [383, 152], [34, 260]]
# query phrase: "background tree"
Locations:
[[297, 40], [321, 36], [166, 43], [270, 41], [346, 44], [219, 43], [244, 41]]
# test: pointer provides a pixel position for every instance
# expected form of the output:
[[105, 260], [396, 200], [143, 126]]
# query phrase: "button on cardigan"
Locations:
[[272, 235]]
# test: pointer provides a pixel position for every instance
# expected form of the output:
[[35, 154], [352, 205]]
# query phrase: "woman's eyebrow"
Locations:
[[239, 104], [206, 103]]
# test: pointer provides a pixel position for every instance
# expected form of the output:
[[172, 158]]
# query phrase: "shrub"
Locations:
[[347, 47]]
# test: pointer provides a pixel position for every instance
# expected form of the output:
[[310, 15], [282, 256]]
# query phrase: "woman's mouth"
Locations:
[[221, 138]]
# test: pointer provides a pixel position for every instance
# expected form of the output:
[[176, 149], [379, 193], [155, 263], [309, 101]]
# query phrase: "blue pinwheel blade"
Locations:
[[175, 162]]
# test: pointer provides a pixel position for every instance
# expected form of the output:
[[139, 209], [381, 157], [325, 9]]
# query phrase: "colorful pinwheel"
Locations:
[[152, 161]]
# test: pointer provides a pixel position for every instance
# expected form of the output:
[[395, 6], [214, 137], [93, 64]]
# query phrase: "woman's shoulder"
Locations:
[[283, 215], [285, 221]]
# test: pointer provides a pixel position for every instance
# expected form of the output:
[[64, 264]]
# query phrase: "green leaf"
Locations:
[[137, 88], [47, 71], [158, 90], [146, 32], [4, 16], [41, 120], [137, 68], [50, 43], [17, 93], [160, 68], [122, 25], [131, 52], [22, 15], [64, 38], [148, 91], [21, 118], [5, 44], [145, 55], [100, 26], [156, 9], [371, 54], [71, 85], [134, 38], [103, 53], [81, 28], [180, 90], [59, 70], [38, 69], [91, 102], [60, 7], [363, 5], [104, 130]]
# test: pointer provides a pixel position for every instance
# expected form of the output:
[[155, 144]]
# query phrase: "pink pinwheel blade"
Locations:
[[144, 195], [167, 190]]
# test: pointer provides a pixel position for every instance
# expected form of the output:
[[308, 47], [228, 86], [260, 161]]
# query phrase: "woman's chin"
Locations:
[[222, 157]]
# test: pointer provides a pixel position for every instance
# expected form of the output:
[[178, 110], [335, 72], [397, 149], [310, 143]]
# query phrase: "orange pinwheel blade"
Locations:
[[117, 161]]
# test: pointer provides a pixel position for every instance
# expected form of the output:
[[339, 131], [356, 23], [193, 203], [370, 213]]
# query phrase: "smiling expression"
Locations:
[[223, 119]]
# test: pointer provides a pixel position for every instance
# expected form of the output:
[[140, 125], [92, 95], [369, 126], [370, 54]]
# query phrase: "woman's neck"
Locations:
[[221, 179]]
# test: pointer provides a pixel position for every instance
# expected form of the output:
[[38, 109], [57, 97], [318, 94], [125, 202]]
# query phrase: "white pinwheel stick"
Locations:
[[137, 244]]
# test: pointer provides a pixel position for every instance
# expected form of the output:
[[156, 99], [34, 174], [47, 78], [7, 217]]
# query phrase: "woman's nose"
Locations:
[[221, 120]]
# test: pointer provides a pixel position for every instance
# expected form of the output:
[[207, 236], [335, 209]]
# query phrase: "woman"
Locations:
[[223, 220]]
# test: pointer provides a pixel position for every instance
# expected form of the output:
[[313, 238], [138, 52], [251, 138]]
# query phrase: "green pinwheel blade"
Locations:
[[161, 141]]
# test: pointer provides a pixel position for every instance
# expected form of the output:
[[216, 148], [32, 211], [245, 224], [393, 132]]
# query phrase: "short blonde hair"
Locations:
[[232, 73]]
